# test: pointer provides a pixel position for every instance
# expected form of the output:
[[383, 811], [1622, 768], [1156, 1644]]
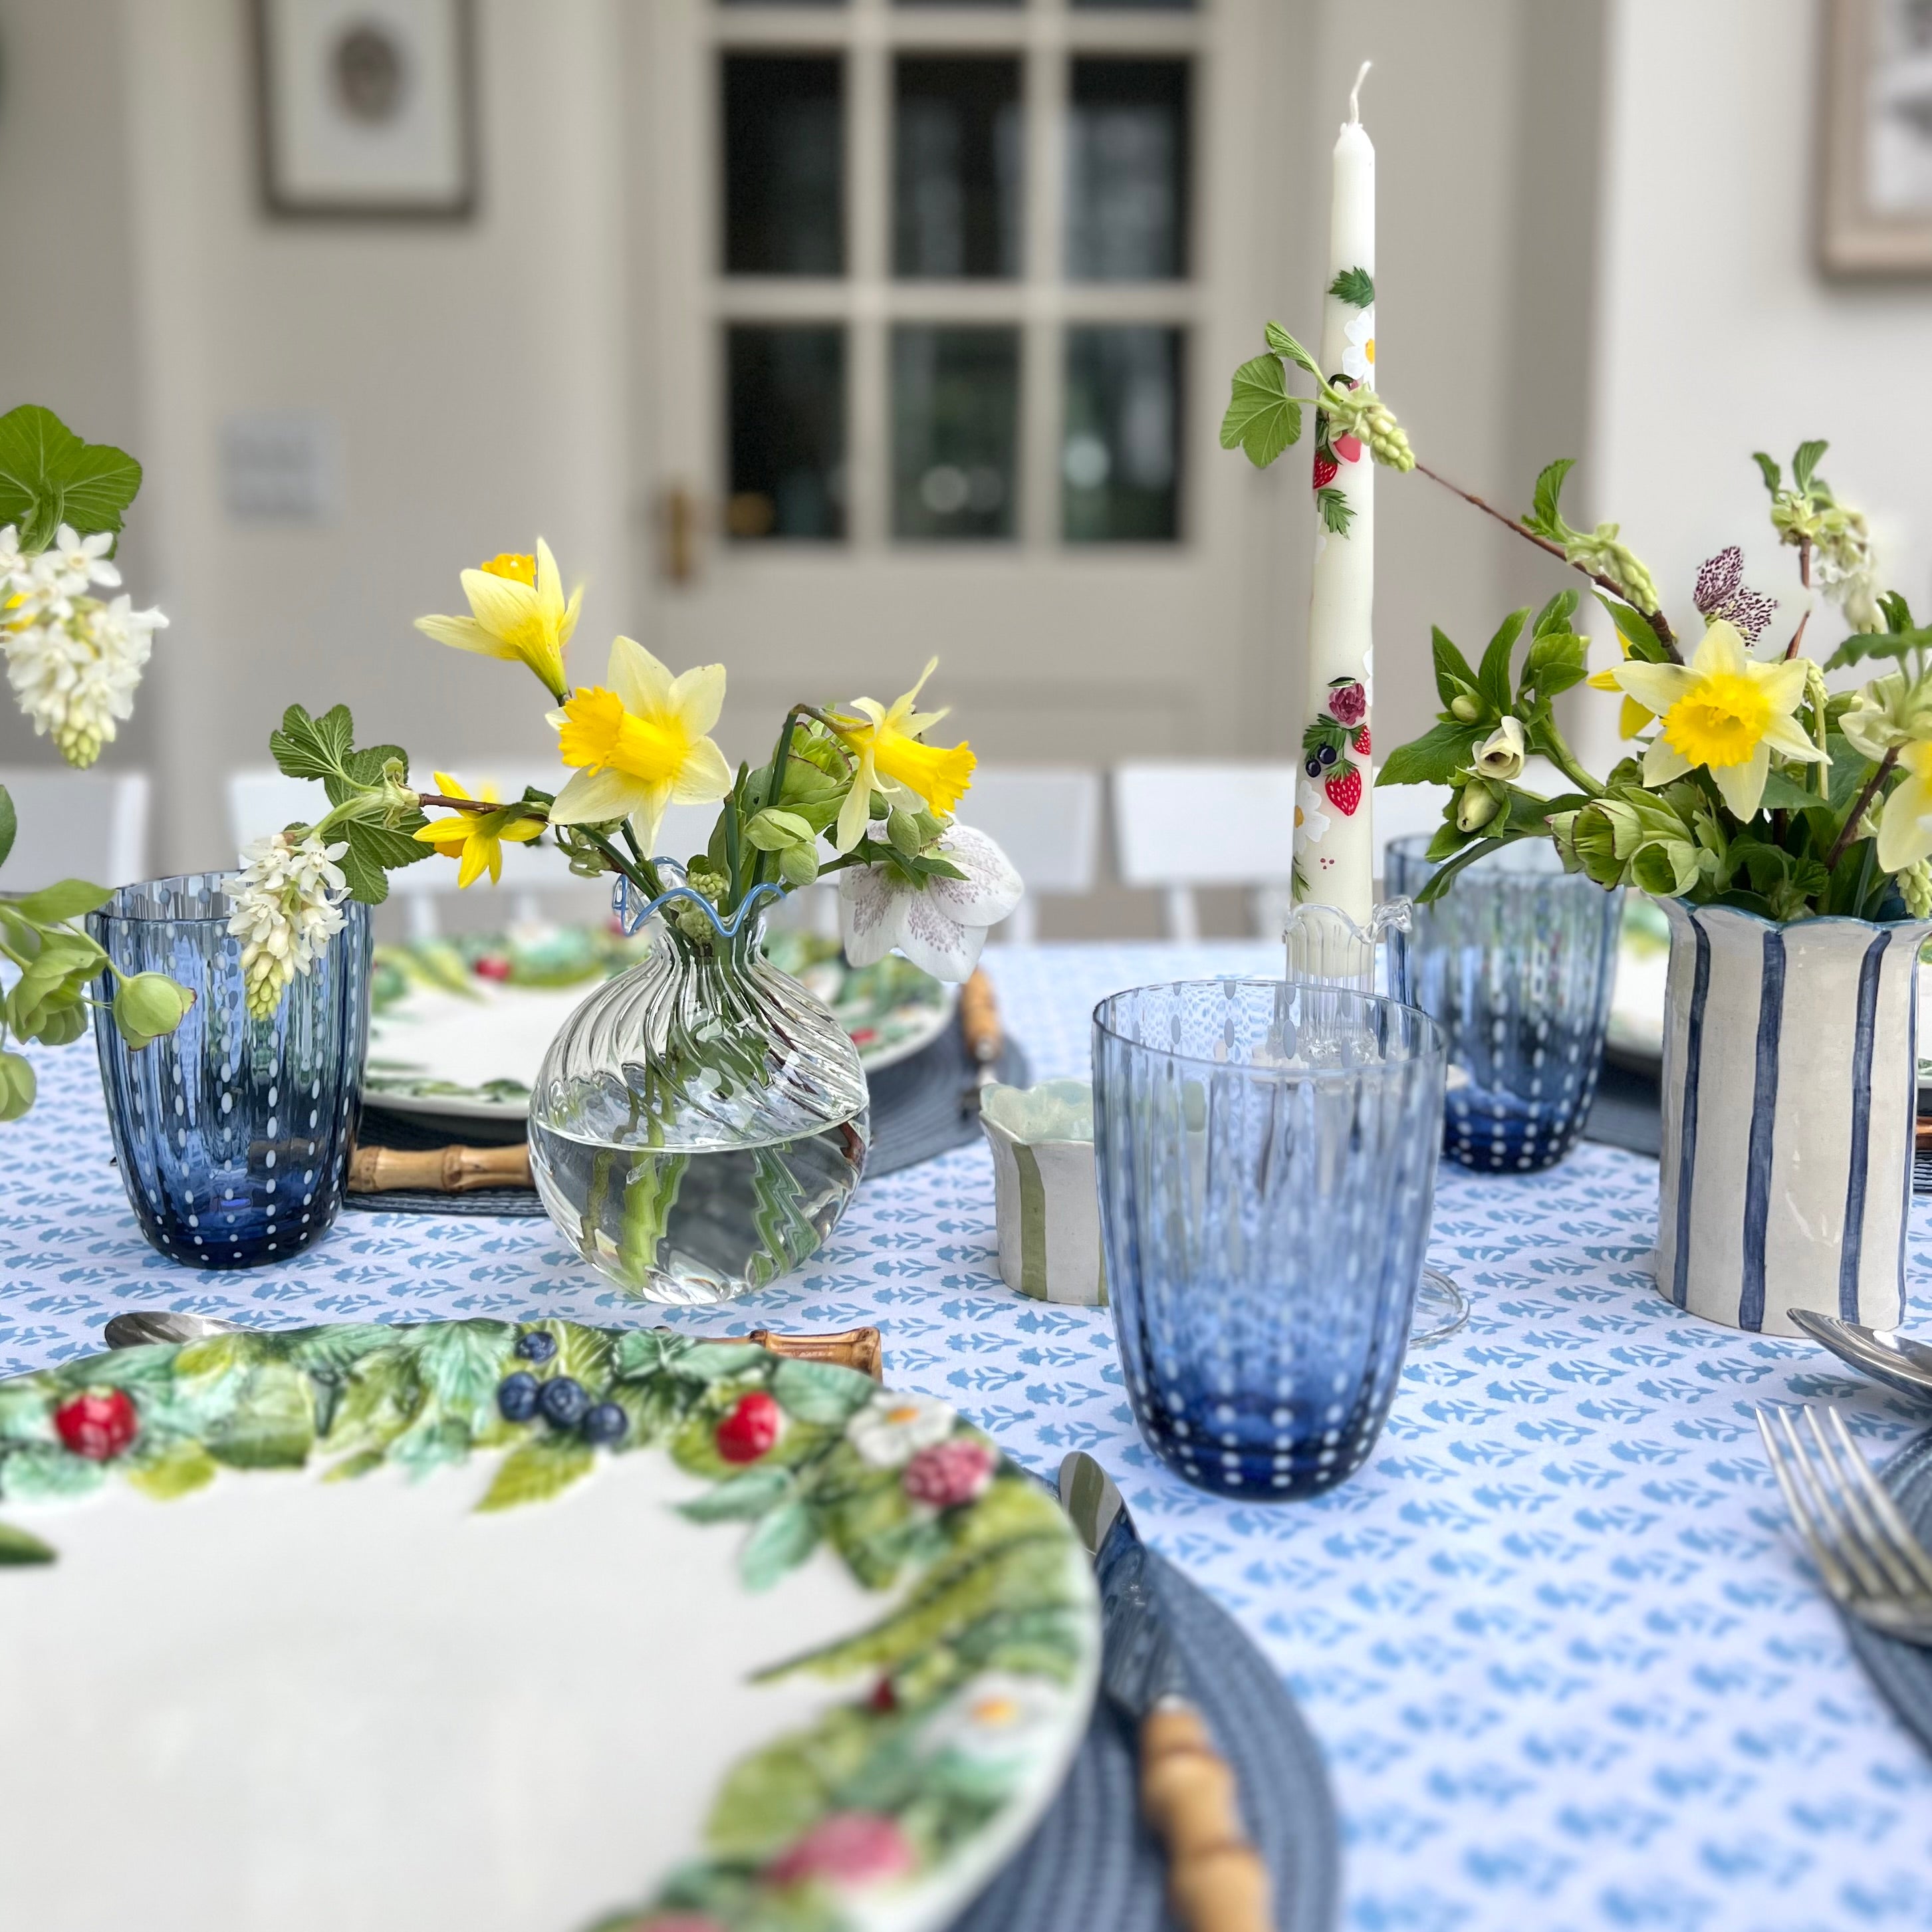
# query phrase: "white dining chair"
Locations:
[[1181, 824], [77, 825], [1047, 821]]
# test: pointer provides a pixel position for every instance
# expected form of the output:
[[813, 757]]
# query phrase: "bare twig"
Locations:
[[1859, 806], [1657, 620], [1804, 577]]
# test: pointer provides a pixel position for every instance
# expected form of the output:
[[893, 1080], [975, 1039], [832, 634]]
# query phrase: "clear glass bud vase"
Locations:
[[700, 1123]]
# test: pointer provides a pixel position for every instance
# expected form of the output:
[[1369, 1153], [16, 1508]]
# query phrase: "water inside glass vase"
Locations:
[[700, 1124]]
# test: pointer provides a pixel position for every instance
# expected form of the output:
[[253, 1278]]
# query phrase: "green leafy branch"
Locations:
[[371, 808], [1263, 419], [49, 476]]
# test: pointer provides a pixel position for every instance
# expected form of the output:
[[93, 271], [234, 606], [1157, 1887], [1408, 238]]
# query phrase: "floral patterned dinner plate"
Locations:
[[541, 1628], [459, 1027]]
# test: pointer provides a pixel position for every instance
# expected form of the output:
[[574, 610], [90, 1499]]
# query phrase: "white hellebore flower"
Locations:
[[891, 1429], [940, 925], [287, 907], [997, 1718], [1502, 753]]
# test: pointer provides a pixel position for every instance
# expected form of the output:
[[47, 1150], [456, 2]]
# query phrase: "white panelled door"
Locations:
[[936, 304]]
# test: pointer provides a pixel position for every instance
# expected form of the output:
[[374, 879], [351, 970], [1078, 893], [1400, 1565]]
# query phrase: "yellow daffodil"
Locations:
[[516, 610], [892, 759], [640, 745], [1725, 711], [1905, 828], [476, 838]]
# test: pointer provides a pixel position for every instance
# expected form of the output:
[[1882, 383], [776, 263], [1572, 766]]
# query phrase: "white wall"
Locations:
[[1718, 334], [476, 372]]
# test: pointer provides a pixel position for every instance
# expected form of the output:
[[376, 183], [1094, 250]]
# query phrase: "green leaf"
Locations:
[[820, 1391], [1283, 343], [1546, 516], [463, 1362], [1636, 631], [1805, 462], [312, 748], [1355, 287], [1877, 644], [1898, 616], [716, 1361], [1773, 475], [1559, 614], [1440, 881], [741, 1499], [1434, 758], [271, 1427], [1493, 681], [536, 1472], [17, 1547], [68, 899], [1558, 660], [1337, 512], [10, 823], [34, 1474], [770, 1799], [1262, 419], [783, 1540], [1782, 793], [49, 477], [1453, 674], [178, 1470]]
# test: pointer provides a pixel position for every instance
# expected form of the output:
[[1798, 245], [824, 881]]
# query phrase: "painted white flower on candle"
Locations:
[[1311, 817], [1358, 358]]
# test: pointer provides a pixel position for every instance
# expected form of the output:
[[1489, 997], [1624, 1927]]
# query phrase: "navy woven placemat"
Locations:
[[1903, 1671], [916, 1114], [1092, 1866]]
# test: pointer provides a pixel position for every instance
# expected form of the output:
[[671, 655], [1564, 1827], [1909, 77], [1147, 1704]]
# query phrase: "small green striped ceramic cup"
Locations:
[[1045, 1201]]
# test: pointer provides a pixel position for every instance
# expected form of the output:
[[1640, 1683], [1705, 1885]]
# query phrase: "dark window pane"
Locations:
[[955, 413], [1120, 458], [1127, 171], [787, 410], [956, 168], [784, 165], [1144, 6]]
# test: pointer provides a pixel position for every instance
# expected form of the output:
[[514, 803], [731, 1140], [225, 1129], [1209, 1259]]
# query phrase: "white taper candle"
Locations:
[[1334, 845]]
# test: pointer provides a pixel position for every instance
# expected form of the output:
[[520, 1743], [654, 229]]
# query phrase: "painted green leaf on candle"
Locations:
[[1262, 417], [1337, 512], [1355, 287]]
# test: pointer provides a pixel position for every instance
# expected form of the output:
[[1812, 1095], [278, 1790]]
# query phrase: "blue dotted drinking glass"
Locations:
[[233, 1135], [1516, 961], [1266, 1154]]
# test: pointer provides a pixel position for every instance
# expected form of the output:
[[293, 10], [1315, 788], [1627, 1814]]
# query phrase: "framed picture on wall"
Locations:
[[366, 108], [1875, 209]]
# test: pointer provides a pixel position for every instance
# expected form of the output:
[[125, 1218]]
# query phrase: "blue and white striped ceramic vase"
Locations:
[[1790, 1058]]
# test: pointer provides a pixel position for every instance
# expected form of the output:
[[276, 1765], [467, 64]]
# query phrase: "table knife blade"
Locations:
[[1216, 1879]]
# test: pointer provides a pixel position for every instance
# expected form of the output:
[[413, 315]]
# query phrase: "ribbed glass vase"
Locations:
[[700, 1123]]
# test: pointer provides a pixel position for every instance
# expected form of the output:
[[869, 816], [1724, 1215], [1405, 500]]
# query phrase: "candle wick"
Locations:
[[1355, 95]]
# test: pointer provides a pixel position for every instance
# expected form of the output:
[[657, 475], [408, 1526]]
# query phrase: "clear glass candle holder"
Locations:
[[1266, 1157], [232, 1134], [1516, 961]]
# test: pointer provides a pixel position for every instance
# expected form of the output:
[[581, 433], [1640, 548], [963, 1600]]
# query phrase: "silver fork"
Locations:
[[1873, 1566]]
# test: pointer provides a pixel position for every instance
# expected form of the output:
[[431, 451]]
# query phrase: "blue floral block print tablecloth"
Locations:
[[1567, 1668]]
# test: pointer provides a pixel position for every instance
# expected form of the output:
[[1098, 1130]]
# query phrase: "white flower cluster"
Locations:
[[72, 661], [286, 906]]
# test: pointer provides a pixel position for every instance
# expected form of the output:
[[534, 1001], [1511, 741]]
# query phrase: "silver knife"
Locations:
[[1216, 1879]]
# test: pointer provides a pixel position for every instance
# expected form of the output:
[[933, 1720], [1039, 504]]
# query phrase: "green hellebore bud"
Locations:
[[1476, 806], [1666, 867], [148, 1006], [798, 865], [16, 1086], [61, 1025], [773, 830], [1592, 840], [1563, 836], [1465, 707]]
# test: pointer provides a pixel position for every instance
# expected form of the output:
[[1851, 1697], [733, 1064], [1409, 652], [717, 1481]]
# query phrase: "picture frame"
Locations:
[[1875, 199], [365, 109]]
